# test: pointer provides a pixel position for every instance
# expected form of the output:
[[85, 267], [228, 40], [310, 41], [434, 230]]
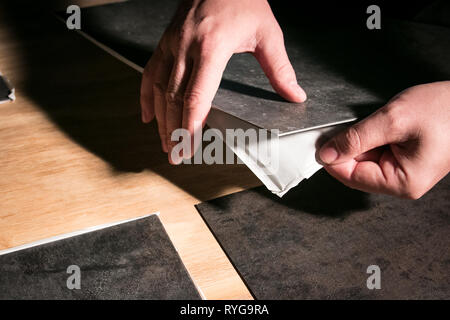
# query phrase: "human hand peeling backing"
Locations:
[[403, 149], [393, 151], [182, 76]]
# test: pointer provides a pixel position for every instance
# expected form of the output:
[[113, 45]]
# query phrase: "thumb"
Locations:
[[381, 128], [271, 55]]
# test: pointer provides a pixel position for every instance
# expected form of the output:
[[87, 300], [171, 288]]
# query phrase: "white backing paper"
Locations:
[[296, 154]]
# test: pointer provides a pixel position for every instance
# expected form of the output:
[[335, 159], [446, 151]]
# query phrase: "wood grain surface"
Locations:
[[74, 154]]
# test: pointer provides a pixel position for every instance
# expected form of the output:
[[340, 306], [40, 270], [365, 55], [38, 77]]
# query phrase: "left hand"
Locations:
[[183, 75]]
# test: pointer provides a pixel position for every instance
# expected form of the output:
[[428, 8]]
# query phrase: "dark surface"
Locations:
[[438, 12], [135, 260], [318, 240], [5, 91], [346, 69]]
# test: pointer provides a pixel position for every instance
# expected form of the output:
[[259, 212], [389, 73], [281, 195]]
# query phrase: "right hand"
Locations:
[[403, 149]]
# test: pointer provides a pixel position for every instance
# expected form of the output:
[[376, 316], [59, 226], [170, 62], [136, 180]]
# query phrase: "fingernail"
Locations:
[[301, 94], [328, 153]]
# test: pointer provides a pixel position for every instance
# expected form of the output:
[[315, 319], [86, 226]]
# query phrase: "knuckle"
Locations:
[[278, 32], [149, 69], [158, 89], [161, 48], [395, 117], [272, 28], [349, 141], [206, 24], [284, 72], [192, 100], [179, 37], [207, 43], [272, 35], [165, 46], [173, 98], [183, 32]]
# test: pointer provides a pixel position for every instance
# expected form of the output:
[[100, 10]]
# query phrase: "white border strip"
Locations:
[[112, 52], [71, 234], [331, 124]]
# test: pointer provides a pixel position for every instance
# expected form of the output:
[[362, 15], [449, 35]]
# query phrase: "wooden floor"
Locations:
[[74, 154]]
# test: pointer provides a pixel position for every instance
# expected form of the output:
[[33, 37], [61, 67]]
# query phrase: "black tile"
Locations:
[[134, 260], [318, 240]]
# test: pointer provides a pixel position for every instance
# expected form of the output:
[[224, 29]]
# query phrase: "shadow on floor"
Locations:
[[94, 99]]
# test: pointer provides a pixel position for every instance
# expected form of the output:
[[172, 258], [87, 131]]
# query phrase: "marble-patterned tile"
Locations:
[[318, 241], [347, 70], [133, 260]]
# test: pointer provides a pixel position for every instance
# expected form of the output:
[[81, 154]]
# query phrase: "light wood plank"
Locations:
[[74, 154]]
